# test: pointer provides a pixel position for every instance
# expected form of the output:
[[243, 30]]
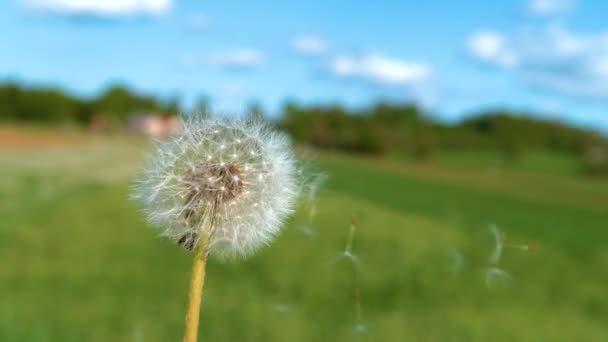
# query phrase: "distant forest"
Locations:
[[51, 105], [382, 129]]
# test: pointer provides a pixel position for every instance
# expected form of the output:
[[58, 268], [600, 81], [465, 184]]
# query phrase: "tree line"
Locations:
[[406, 130], [50, 105], [382, 129]]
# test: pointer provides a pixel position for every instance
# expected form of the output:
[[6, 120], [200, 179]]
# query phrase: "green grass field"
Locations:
[[78, 263]]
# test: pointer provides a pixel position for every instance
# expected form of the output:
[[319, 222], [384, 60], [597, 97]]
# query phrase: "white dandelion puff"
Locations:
[[231, 181]]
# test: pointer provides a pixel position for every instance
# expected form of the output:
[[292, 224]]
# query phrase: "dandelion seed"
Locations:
[[500, 239], [197, 196], [312, 213], [312, 185], [494, 275], [280, 305], [308, 228], [351, 235], [359, 326], [527, 248], [458, 261], [138, 334], [498, 244], [348, 253]]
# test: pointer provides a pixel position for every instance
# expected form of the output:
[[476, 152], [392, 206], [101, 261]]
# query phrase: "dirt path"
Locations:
[[17, 138]]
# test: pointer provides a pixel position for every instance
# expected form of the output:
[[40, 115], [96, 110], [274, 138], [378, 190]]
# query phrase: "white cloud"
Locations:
[[491, 47], [101, 8], [241, 59], [601, 66], [555, 58], [309, 45], [379, 69], [549, 7]]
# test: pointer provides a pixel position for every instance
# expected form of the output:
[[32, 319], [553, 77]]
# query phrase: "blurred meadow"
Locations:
[[79, 263], [458, 155]]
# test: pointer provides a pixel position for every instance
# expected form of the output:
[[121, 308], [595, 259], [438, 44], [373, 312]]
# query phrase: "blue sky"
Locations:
[[453, 58]]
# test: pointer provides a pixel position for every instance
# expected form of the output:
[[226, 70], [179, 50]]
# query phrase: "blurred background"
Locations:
[[460, 152]]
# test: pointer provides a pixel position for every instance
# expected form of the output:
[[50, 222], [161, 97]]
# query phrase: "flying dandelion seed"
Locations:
[[309, 194], [498, 244], [494, 274], [281, 307], [280, 304], [458, 261], [222, 187], [359, 326], [307, 228], [313, 184], [138, 334], [348, 247]]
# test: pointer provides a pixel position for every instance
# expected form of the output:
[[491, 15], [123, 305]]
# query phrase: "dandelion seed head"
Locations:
[[233, 180]]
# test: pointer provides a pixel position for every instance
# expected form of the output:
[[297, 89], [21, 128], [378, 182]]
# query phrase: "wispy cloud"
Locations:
[[491, 47], [379, 69], [549, 7], [100, 8], [241, 59], [309, 45], [554, 58]]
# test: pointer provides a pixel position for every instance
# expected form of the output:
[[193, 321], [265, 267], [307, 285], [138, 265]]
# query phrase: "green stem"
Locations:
[[197, 283]]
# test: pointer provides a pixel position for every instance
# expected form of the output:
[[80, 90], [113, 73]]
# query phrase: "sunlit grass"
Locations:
[[79, 264]]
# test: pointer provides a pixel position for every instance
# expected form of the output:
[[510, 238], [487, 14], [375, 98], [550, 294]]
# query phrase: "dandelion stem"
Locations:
[[195, 294]]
